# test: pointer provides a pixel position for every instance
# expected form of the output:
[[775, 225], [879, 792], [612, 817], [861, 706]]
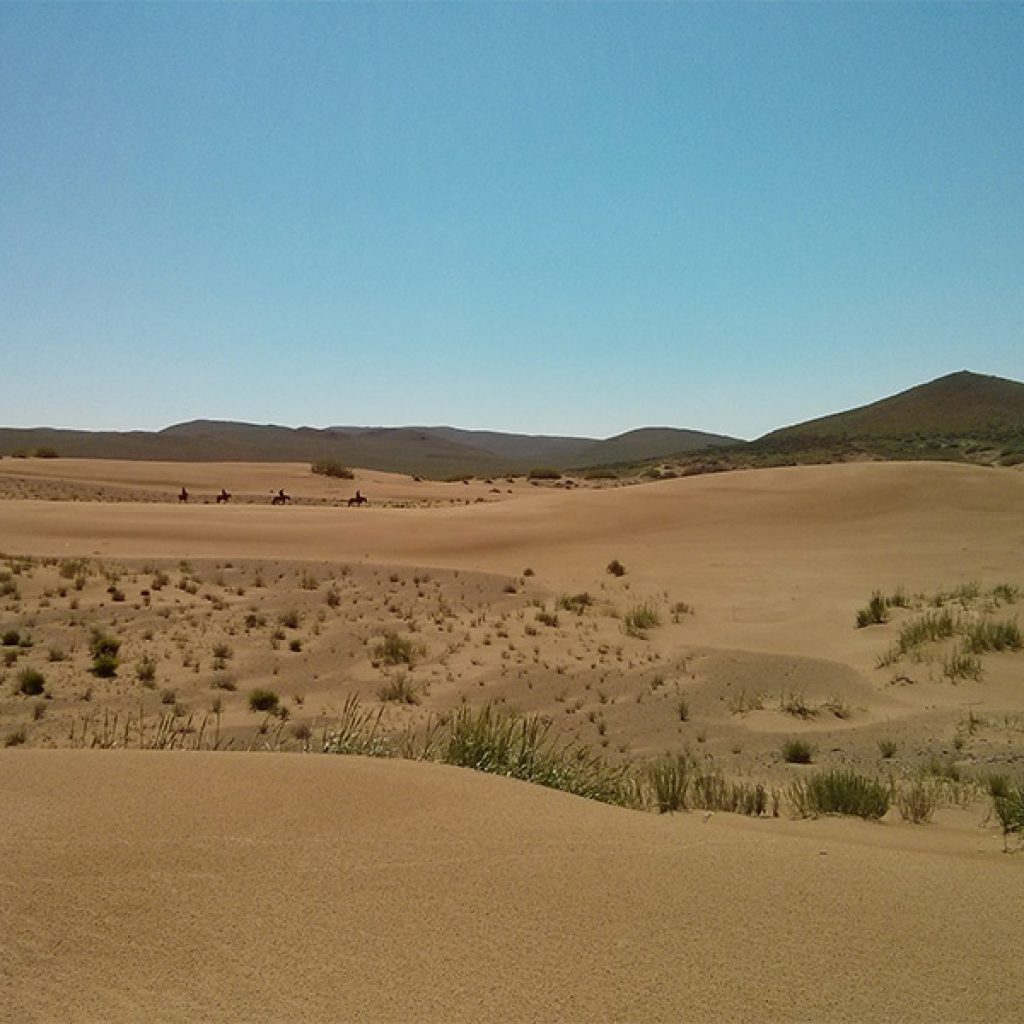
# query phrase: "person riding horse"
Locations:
[[183, 496], [358, 500], [281, 498], [223, 498]]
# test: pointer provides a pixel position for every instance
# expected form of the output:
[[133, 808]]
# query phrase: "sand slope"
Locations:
[[231, 887]]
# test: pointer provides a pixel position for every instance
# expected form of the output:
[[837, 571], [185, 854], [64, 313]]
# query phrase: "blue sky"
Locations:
[[545, 218]]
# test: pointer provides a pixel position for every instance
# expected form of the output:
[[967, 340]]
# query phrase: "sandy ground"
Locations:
[[146, 885], [229, 887]]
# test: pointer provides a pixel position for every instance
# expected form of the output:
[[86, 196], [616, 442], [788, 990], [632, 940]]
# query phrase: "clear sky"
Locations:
[[543, 218]]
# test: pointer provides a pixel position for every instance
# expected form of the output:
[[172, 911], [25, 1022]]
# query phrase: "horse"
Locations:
[[223, 498], [183, 496], [358, 500], [281, 498]]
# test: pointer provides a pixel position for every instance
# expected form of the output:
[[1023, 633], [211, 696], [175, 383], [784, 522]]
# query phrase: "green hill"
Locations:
[[961, 405]]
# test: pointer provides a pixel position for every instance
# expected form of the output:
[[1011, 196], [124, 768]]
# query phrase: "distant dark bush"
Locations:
[[46, 453], [31, 682], [616, 568], [544, 473], [329, 467], [797, 752], [11, 638], [600, 474], [264, 700]]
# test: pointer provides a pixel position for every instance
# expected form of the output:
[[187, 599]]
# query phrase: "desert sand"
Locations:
[[234, 885]]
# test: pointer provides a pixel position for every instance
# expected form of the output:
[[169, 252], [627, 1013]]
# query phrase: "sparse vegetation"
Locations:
[[332, 468], [615, 568]]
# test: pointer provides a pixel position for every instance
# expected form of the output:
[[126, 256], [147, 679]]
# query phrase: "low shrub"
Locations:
[[264, 700], [1009, 811], [16, 737], [395, 650], [544, 473], [576, 603], [615, 568], [797, 751], [31, 682], [332, 468]]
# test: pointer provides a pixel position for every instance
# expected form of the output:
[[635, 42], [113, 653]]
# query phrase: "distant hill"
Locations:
[[426, 451], [960, 405]]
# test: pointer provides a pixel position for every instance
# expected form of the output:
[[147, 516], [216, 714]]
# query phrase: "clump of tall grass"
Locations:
[[839, 791], [989, 635], [887, 747], [961, 664], [498, 741], [669, 780], [711, 791], [926, 628], [357, 730], [640, 618], [874, 613], [917, 799], [676, 783]]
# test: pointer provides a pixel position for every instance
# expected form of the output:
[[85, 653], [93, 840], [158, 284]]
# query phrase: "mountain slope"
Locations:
[[961, 404]]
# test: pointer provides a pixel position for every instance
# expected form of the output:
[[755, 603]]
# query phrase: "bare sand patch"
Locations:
[[230, 887]]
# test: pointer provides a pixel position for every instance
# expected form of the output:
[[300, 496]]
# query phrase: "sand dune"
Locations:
[[220, 887]]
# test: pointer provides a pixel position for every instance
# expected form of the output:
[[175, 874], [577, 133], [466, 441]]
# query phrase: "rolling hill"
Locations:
[[426, 451], [959, 405]]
